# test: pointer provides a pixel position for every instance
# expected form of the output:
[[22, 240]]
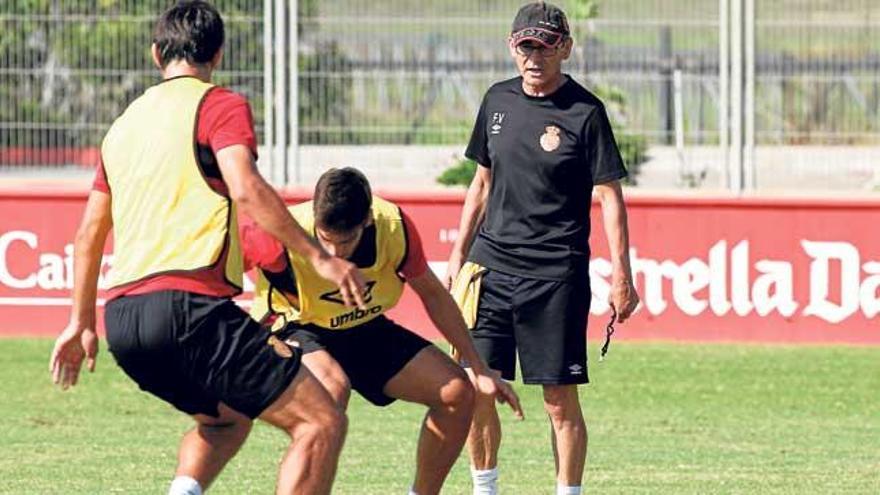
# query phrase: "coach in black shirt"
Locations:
[[543, 144]]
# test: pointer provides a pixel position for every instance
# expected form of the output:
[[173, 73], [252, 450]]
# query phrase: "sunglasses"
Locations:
[[527, 48]]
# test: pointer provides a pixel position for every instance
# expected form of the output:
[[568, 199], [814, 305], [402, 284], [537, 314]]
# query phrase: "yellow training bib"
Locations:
[[166, 218], [319, 300]]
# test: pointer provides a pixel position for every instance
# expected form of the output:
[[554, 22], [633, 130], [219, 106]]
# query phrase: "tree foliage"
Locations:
[[73, 66]]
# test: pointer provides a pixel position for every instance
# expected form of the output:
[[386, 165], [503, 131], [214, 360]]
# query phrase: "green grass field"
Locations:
[[663, 418]]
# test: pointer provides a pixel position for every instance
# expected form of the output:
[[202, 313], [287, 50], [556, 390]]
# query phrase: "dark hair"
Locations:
[[191, 31], [342, 199]]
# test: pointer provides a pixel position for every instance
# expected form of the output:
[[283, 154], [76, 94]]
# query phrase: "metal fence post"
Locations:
[[736, 96], [293, 112], [724, 88], [267, 158], [678, 111], [749, 170], [280, 175], [666, 99]]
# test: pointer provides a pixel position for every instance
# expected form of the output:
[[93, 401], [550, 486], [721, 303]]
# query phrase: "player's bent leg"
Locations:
[[433, 379], [206, 449], [331, 376], [317, 430], [569, 432]]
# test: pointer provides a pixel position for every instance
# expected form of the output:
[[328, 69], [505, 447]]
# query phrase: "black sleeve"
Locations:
[[602, 154], [478, 147], [285, 281]]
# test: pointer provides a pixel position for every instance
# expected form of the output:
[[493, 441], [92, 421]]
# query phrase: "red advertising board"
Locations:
[[722, 269]]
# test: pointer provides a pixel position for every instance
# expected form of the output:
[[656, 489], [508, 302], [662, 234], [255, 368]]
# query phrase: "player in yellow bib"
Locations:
[[360, 348], [175, 168]]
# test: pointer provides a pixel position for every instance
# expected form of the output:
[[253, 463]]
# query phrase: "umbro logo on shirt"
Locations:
[[497, 119]]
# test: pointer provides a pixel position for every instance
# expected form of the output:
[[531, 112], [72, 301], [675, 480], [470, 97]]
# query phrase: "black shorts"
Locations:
[[546, 320], [195, 351], [370, 353]]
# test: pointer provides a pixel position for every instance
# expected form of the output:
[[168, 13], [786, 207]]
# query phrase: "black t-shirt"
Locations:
[[545, 155]]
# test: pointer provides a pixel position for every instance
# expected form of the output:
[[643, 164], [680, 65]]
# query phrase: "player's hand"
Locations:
[[491, 383], [76, 343], [624, 298], [346, 276], [452, 269]]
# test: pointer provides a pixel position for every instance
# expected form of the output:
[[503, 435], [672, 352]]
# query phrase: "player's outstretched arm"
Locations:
[[78, 341], [258, 200], [623, 296], [448, 320], [472, 215]]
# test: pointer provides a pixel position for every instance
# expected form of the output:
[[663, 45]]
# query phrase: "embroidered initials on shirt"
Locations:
[[497, 119]]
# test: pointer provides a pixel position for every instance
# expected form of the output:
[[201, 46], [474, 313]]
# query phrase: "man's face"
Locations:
[[340, 244], [539, 64]]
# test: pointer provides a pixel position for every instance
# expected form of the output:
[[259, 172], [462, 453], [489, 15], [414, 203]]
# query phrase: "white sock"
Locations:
[[485, 481], [567, 490], [184, 485], [412, 491]]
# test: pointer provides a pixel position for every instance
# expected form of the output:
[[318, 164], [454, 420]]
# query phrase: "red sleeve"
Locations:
[[100, 182], [225, 119], [415, 264], [259, 249]]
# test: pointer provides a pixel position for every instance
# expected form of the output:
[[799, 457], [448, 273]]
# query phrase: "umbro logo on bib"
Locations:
[[336, 296]]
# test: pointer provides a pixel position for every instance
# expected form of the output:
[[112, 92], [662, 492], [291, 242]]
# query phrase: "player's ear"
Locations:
[[157, 57], [218, 57]]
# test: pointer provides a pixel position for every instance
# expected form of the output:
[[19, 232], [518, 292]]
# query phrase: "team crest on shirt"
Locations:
[[550, 140]]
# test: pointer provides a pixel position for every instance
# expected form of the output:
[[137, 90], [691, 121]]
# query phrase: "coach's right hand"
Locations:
[[452, 269], [345, 275]]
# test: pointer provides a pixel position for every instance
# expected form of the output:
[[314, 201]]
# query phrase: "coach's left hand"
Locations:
[[624, 298]]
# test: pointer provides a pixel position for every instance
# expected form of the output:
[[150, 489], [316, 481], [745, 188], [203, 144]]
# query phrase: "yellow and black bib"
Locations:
[[166, 218], [319, 300]]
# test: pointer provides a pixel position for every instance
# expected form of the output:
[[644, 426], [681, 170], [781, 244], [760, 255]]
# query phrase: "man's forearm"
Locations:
[[471, 216], [88, 250], [263, 204], [87, 254], [617, 232], [623, 296]]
